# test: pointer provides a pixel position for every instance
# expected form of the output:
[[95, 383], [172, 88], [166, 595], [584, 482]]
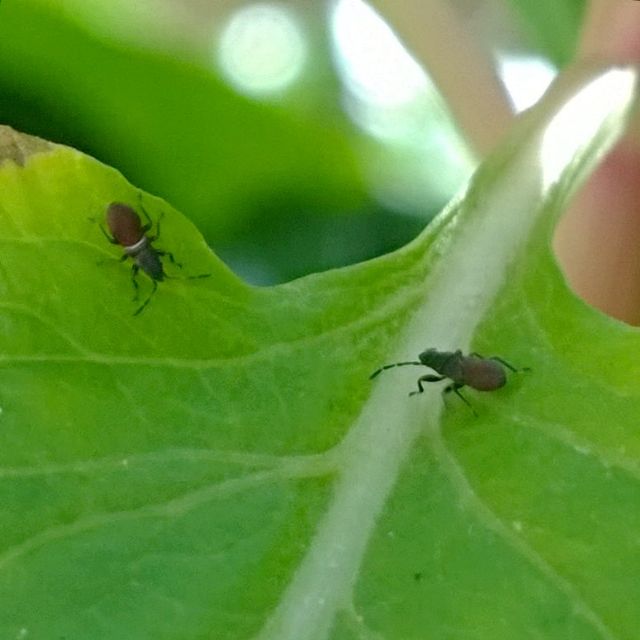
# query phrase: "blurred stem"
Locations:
[[458, 64], [597, 241]]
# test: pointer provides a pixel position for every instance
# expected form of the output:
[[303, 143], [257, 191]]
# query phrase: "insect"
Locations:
[[128, 231], [474, 370]]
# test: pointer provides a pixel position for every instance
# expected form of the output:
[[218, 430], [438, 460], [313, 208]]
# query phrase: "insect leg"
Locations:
[[386, 366], [110, 259], [134, 272], [149, 224], [502, 362], [140, 309], [170, 256], [456, 389], [111, 239], [157, 234], [199, 276], [427, 378]]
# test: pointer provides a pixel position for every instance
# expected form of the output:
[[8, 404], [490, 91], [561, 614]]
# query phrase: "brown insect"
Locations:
[[474, 370], [128, 231]]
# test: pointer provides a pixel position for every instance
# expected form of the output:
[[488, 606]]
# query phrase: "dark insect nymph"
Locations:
[[474, 370], [128, 231]]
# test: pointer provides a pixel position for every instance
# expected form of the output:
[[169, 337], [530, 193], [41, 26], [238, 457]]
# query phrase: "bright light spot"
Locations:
[[262, 49], [526, 78], [390, 124], [390, 97], [373, 62], [578, 121]]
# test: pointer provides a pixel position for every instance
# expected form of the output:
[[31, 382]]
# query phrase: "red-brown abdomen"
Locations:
[[124, 224], [483, 375]]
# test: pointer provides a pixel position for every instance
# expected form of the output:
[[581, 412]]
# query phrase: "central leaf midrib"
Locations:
[[463, 284]]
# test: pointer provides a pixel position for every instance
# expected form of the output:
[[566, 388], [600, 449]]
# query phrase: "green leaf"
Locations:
[[221, 467]]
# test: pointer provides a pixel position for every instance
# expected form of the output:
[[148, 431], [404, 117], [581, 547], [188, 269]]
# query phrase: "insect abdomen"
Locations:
[[124, 223], [484, 375]]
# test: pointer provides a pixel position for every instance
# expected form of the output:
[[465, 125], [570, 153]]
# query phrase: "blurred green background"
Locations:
[[298, 136]]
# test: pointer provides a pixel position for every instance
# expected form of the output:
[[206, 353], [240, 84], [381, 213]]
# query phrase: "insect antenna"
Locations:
[[390, 366]]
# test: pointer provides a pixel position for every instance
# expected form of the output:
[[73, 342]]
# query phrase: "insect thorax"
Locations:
[[435, 359], [133, 249], [149, 261]]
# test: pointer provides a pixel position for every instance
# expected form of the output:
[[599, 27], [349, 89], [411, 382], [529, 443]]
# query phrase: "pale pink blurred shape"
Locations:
[[597, 241]]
